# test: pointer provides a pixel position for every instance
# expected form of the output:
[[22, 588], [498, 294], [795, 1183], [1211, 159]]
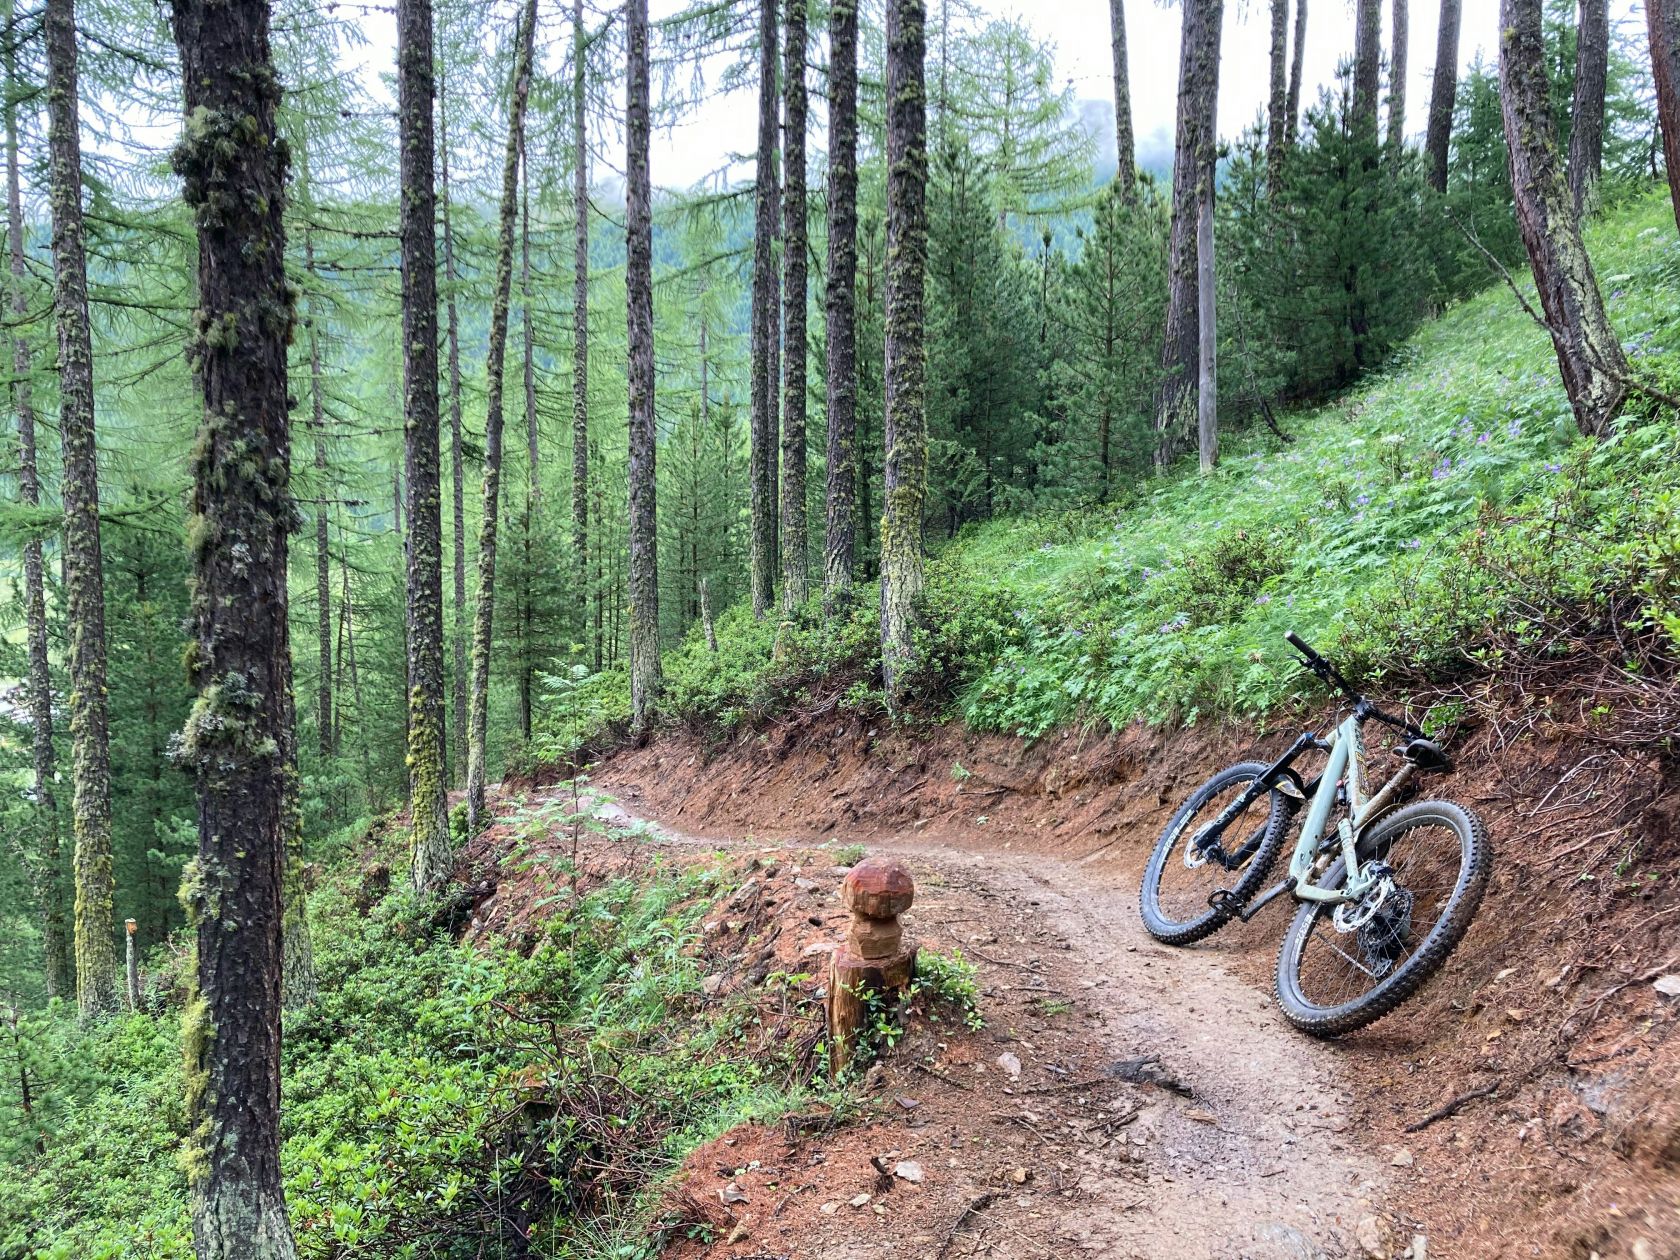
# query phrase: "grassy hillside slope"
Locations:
[[1441, 518]]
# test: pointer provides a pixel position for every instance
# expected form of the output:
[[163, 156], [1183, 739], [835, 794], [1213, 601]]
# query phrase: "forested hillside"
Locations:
[[386, 428]]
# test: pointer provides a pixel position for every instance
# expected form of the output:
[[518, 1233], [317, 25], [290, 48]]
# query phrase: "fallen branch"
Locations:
[[979, 1203], [1452, 1106]]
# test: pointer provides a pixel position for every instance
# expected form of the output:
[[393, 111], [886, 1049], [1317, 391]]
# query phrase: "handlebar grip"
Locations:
[[1301, 645]]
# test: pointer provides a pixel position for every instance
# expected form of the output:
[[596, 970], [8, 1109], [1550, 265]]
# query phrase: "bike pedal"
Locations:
[[1226, 900]]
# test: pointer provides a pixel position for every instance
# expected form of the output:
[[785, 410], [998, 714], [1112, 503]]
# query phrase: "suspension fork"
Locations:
[[1206, 842]]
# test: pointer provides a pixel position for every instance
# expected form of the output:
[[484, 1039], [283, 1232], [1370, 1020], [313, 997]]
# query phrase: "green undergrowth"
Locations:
[[1443, 518], [439, 1098]]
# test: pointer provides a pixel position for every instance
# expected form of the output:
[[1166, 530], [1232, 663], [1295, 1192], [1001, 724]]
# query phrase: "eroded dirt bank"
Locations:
[[1547, 1022]]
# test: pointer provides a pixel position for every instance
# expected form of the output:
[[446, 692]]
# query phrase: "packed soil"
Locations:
[[1525, 1104]]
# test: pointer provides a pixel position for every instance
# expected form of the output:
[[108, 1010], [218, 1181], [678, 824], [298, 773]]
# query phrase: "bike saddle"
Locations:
[[1426, 754]]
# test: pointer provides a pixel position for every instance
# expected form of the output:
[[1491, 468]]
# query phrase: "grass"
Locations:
[[1441, 515]]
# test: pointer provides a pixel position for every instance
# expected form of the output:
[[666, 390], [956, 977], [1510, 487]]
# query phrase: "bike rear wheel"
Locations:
[[1173, 901], [1341, 968]]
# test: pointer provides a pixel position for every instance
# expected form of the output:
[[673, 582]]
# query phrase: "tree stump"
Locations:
[[874, 959], [133, 968]]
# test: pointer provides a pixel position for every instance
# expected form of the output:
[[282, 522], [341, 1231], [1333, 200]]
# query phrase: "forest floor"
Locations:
[[1162, 1107]]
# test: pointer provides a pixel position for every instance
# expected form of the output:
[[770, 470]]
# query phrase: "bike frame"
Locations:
[[1347, 758]]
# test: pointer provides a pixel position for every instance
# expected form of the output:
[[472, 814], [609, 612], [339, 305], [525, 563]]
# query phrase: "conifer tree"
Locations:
[[237, 739], [84, 570], [1367, 68], [1296, 66], [48, 885], [1593, 365], [638, 286], [430, 858], [1586, 114], [1443, 95], [1662, 22], [458, 478], [1280, 120], [580, 312], [764, 322], [841, 382], [1125, 159], [793, 517], [478, 699], [1399, 38], [905, 485]]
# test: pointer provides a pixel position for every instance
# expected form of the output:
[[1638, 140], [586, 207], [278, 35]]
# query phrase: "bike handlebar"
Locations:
[[1328, 672]]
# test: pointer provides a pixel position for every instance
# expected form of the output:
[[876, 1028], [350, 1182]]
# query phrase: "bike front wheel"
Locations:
[[1343, 967], [1179, 880]]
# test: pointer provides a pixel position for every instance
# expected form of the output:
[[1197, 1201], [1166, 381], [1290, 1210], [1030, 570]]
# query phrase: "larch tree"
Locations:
[[478, 698], [1367, 69], [1662, 23], [580, 311], [905, 423], [457, 467], [1586, 114], [323, 555], [48, 885], [795, 571], [1207, 324], [233, 168], [1443, 95], [644, 438], [1589, 357], [1125, 152], [1399, 41], [430, 858], [841, 383], [1197, 138], [763, 426], [1297, 66], [84, 568], [1279, 122]]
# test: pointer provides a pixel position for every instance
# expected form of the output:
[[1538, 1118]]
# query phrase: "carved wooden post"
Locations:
[[133, 968], [874, 958]]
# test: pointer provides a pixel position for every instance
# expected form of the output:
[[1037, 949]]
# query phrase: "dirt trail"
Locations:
[[1263, 1160]]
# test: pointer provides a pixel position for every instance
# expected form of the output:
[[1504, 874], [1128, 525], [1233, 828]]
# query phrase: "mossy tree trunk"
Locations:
[[1443, 95], [458, 476], [840, 538], [84, 568], [795, 544], [580, 316], [1198, 99], [478, 698], [1278, 124], [1125, 153], [48, 883], [430, 859], [1399, 39], [237, 740], [638, 287], [905, 480], [764, 323], [1586, 115], [1662, 23], [1589, 356]]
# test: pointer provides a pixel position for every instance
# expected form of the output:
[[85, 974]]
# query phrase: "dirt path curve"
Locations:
[[1263, 1162]]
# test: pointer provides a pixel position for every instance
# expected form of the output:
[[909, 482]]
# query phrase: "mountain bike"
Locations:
[[1384, 895]]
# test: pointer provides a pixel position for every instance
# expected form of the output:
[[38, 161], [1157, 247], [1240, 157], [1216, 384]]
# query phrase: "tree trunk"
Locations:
[[638, 287], [906, 355], [457, 467], [1662, 22], [297, 947], [84, 568], [1198, 98], [323, 576], [1399, 42], [533, 473], [1586, 126], [236, 740], [478, 699], [430, 859], [1296, 66], [763, 319], [1207, 395], [1367, 69], [840, 542], [1125, 154], [580, 315], [48, 883], [1442, 95], [1589, 356], [1279, 124], [794, 541]]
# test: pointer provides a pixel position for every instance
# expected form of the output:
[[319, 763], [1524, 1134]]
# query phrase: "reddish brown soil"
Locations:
[[1549, 1001]]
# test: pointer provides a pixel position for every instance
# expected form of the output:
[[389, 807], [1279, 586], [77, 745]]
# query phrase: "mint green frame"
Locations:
[[1347, 756]]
